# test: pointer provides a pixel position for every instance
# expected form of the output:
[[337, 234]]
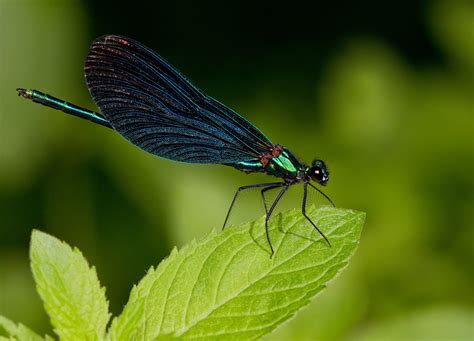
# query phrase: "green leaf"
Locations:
[[69, 288], [17, 331], [227, 286]]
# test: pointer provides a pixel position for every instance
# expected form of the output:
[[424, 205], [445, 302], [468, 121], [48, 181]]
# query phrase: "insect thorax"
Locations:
[[282, 165], [285, 165]]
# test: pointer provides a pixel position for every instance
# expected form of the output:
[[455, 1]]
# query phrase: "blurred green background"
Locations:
[[383, 91]]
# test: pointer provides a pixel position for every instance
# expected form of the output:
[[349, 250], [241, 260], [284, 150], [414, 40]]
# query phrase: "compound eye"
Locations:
[[318, 174]]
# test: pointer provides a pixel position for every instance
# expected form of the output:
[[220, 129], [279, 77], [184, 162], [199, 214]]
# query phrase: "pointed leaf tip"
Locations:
[[69, 288]]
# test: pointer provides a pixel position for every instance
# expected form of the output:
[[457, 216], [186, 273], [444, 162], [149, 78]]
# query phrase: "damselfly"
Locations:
[[155, 107]]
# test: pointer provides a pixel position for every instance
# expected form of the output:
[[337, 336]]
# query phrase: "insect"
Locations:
[[155, 107]]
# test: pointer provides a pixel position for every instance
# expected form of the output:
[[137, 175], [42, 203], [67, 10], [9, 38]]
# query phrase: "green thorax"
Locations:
[[285, 165]]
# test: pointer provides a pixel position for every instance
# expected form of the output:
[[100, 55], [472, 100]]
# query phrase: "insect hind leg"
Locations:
[[243, 188], [269, 213]]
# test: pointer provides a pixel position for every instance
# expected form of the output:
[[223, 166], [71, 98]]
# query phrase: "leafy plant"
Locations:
[[224, 286]]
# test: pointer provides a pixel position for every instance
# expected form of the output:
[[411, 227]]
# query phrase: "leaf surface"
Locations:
[[69, 288], [18, 331], [226, 286]]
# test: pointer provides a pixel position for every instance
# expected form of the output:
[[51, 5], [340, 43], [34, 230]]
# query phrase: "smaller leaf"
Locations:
[[69, 288], [18, 331]]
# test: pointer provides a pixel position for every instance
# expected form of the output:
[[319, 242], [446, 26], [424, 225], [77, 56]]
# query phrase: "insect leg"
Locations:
[[283, 190], [321, 192], [303, 210], [263, 195], [242, 189]]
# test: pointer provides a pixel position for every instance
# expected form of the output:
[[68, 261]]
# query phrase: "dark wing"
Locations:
[[155, 107]]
